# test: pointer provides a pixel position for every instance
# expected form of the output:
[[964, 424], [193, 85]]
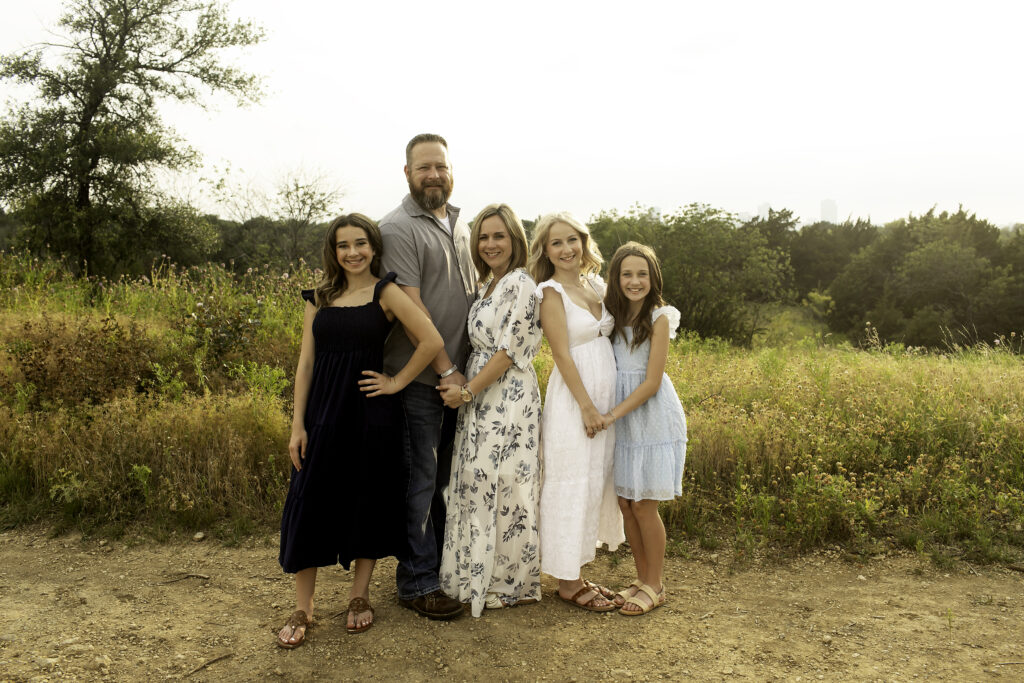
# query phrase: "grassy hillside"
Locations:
[[165, 401]]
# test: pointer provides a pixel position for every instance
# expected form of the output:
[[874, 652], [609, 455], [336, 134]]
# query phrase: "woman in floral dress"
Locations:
[[490, 557]]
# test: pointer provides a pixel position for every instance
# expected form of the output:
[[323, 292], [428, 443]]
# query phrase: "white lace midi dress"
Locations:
[[578, 506], [650, 442], [490, 536]]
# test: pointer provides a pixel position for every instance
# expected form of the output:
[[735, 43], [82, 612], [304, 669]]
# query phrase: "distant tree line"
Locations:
[[925, 280]]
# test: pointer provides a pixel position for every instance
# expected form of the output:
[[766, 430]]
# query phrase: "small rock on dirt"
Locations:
[[101, 662]]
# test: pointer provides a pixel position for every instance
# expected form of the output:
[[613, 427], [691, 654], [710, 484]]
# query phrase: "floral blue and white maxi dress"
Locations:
[[650, 442], [490, 538]]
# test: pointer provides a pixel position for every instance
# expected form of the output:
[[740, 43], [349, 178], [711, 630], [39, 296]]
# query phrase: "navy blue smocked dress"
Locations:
[[348, 501]]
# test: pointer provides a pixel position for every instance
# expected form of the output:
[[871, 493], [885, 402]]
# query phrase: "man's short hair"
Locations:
[[422, 137]]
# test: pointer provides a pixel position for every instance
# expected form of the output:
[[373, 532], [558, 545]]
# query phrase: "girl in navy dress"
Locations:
[[346, 500], [650, 434]]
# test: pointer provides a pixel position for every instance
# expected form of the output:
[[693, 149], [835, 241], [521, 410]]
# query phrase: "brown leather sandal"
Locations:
[[589, 604], [355, 606], [297, 619], [606, 593]]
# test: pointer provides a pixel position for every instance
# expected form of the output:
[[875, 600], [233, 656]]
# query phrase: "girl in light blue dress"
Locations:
[[650, 434]]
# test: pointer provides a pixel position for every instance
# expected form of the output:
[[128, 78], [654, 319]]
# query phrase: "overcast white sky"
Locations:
[[888, 108]]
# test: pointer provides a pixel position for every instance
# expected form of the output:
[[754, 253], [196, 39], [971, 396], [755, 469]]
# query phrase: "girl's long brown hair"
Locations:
[[617, 303], [335, 282]]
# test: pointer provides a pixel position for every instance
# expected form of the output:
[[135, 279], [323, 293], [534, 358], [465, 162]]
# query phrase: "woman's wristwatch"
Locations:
[[466, 394]]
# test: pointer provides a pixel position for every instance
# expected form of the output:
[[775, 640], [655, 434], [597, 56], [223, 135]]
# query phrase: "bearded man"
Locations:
[[427, 245]]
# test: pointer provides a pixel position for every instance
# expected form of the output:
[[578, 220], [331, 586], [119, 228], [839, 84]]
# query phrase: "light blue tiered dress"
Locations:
[[650, 442]]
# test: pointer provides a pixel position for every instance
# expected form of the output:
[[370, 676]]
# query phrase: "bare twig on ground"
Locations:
[[208, 663], [188, 576]]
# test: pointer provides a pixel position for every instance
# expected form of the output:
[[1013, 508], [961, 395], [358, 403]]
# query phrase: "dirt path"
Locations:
[[75, 609]]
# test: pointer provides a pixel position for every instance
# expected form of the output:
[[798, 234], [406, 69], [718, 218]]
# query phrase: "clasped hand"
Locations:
[[594, 422], [450, 388], [451, 394]]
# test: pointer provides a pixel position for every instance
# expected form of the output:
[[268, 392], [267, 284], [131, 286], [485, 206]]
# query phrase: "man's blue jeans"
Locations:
[[429, 431]]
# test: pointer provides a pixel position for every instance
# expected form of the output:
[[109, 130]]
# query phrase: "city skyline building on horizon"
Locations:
[[829, 211]]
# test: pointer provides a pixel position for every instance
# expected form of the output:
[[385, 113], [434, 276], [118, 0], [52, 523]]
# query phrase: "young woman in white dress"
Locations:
[[578, 508]]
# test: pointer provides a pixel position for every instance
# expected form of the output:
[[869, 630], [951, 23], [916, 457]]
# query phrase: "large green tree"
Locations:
[[78, 162], [930, 277], [714, 272], [778, 230], [820, 251]]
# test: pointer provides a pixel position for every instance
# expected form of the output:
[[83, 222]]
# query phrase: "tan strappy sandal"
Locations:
[[657, 600], [626, 593]]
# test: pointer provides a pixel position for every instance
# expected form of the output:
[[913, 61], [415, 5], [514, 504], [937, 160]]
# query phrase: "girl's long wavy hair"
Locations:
[[335, 282], [540, 265], [615, 299]]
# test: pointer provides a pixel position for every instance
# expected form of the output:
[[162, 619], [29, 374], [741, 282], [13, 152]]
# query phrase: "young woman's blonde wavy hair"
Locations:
[[540, 265]]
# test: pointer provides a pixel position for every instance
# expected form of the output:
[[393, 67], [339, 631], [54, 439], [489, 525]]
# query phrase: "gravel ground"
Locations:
[[81, 609]]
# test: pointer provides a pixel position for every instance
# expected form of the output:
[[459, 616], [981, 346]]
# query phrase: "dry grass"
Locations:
[[175, 412]]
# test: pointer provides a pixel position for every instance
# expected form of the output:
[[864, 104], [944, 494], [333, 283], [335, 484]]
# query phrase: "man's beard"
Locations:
[[431, 200]]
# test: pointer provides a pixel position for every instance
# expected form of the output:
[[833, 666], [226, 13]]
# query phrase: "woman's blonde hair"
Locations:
[[516, 235], [540, 265]]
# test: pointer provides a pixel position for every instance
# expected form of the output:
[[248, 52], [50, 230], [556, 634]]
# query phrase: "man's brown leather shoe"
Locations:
[[434, 605]]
